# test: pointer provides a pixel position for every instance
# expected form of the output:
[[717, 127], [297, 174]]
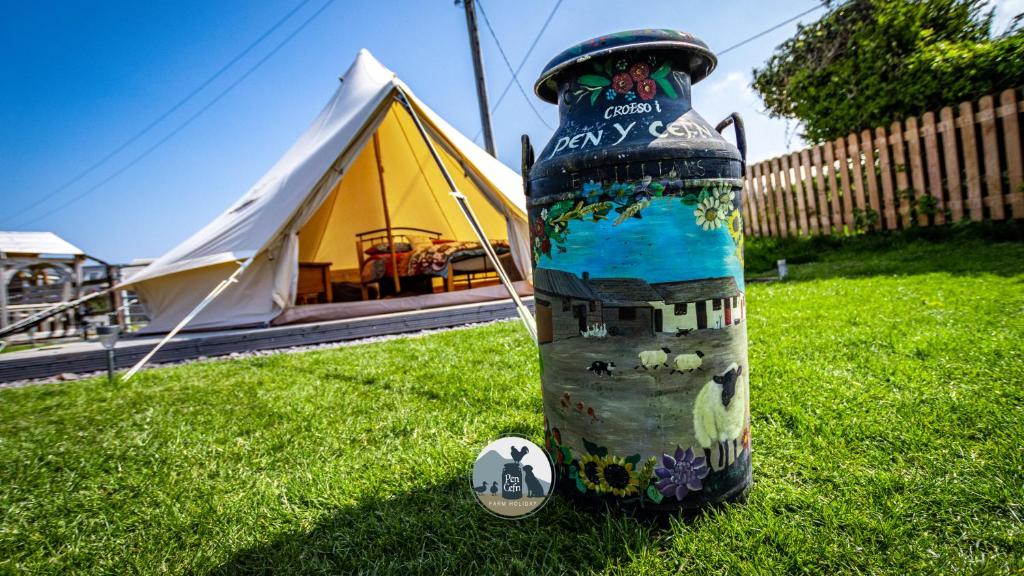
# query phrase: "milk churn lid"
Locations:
[[702, 59]]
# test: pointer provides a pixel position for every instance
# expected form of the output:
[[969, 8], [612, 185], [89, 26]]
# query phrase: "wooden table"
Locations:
[[314, 285]]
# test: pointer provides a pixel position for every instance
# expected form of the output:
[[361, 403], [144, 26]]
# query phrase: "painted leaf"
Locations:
[[653, 494], [666, 87], [690, 200], [634, 460], [657, 188], [593, 97], [567, 454], [573, 473], [662, 71], [608, 67], [594, 80], [581, 486], [592, 448]]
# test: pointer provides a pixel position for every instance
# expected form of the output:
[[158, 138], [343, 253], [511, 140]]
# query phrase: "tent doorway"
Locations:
[[389, 229]]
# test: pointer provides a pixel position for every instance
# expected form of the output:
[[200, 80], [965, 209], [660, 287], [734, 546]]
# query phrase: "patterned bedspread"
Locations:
[[431, 261]]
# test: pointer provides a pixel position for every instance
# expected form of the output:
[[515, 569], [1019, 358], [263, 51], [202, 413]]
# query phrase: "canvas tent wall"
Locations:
[[310, 204]]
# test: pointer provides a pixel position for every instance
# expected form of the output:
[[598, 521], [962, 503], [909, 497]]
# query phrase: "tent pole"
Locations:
[[188, 318], [387, 215], [467, 211]]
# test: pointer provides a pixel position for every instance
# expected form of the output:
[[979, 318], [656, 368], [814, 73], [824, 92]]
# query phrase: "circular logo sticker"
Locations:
[[512, 477]]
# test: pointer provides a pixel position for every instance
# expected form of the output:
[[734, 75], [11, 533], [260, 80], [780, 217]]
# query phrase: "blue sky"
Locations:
[[81, 78]]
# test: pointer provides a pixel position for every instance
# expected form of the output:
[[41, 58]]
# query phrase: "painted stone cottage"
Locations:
[[568, 304]]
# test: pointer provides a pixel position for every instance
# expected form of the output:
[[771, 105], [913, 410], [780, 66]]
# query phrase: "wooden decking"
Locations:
[[80, 357]]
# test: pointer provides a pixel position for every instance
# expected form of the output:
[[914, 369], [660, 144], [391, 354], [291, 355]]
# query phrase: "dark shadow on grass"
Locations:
[[442, 530], [965, 249]]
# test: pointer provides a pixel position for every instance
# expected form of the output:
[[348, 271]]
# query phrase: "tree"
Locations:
[[869, 62]]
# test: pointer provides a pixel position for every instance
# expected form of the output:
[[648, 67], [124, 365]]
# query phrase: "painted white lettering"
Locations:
[[562, 143], [622, 131], [593, 139], [655, 129]]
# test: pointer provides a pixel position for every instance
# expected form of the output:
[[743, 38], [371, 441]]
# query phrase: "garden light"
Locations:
[[108, 336]]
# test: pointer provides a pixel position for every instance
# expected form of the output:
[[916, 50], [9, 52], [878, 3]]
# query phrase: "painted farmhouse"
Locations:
[[568, 304]]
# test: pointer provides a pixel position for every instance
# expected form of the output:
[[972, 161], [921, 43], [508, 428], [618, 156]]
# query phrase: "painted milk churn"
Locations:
[[637, 238]]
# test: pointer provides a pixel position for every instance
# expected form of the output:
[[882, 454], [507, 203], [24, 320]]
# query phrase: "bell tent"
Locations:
[[367, 171]]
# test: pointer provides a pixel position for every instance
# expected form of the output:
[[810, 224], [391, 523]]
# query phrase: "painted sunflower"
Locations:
[[618, 476], [590, 467], [735, 225], [709, 213]]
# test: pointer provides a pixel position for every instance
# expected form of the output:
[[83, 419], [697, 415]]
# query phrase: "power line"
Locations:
[[184, 124], [772, 29], [508, 64], [75, 179]]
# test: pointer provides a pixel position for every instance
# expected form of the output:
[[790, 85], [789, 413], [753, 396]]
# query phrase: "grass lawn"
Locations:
[[888, 421]]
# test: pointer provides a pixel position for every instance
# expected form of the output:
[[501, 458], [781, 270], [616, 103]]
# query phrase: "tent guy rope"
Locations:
[[188, 318]]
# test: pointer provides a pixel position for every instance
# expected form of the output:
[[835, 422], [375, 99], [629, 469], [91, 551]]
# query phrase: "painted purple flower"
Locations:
[[681, 474]]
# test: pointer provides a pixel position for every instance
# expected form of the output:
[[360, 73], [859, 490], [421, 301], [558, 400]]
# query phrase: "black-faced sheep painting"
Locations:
[[642, 331]]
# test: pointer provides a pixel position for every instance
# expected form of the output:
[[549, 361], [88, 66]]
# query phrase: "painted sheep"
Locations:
[[720, 413], [687, 362], [653, 359]]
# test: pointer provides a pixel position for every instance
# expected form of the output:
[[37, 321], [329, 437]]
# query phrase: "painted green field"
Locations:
[[887, 390]]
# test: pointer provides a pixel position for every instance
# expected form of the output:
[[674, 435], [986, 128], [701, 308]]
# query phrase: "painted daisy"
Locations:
[[725, 196], [709, 213]]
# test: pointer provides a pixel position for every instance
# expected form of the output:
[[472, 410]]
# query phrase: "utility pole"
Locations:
[[481, 86]]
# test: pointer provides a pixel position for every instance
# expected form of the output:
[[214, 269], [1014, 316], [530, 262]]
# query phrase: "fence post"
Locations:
[[954, 185], [931, 148], [819, 180], [1011, 135], [970, 147], [870, 174], [858, 177], [837, 216], [812, 211], [990, 148], [780, 214], [801, 206]]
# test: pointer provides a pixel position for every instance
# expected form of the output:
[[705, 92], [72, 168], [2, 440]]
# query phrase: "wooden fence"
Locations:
[[963, 163]]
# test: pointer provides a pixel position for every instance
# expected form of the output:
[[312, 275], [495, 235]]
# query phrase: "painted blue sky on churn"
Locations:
[[665, 245], [81, 78]]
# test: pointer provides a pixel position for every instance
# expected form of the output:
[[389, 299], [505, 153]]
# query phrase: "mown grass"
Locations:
[[888, 419]]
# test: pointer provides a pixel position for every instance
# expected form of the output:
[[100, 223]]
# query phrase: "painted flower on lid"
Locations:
[[646, 89], [639, 71], [709, 214], [681, 474], [622, 82]]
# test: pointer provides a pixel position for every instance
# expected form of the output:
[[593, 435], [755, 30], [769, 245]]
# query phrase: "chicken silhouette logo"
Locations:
[[512, 477]]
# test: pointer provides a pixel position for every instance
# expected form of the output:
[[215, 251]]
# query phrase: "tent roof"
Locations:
[[36, 243], [258, 218]]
